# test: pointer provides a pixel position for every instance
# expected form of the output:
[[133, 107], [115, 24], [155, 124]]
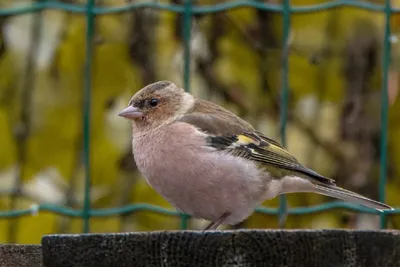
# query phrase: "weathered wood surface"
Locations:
[[279, 248], [20, 255]]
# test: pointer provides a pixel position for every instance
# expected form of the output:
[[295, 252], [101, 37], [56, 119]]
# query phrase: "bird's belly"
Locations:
[[203, 183]]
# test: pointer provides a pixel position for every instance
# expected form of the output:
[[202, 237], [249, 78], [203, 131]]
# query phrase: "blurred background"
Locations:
[[334, 109]]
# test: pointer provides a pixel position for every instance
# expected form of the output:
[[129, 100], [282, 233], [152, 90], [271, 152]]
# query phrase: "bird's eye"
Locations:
[[154, 102]]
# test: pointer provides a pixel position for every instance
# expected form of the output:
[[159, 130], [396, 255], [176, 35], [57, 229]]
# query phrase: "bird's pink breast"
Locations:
[[198, 180]]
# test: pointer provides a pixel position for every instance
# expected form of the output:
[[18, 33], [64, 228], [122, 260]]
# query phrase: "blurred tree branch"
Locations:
[[359, 122], [127, 179], [141, 42], [2, 45], [65, 222], [22, 128]]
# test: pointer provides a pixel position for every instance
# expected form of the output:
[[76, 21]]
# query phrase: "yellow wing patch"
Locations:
[[245, 140]]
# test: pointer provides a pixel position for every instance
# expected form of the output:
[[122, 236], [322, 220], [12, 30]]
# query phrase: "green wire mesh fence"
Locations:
[[188, 10]]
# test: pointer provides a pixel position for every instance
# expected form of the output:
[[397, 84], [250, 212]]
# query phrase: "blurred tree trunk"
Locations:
[[360, 116]]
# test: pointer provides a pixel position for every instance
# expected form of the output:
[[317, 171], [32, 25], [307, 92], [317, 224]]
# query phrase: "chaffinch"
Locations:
[[211, 164]]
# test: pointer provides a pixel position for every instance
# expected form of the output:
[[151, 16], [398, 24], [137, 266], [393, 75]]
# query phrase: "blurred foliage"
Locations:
[[334, 111]]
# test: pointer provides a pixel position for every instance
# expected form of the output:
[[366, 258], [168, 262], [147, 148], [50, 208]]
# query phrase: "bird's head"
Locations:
[[157, 104]]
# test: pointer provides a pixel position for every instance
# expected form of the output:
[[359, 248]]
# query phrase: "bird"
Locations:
[[211, 164]]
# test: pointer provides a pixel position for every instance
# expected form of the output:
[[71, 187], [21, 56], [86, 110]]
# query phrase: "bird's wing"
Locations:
[[252, 146], [240, 139]]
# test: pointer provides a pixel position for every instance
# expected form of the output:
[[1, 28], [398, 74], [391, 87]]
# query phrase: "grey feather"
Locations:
[[346, 195]]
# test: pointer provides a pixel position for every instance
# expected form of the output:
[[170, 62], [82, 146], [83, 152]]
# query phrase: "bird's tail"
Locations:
[[349, 196]]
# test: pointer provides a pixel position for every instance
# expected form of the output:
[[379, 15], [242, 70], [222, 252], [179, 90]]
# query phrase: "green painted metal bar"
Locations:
[[187, 32], [384, 111], [196, 9], [292, 9], [284, 97], [336, 4], [87, 111], [129, 209], [35, 7]]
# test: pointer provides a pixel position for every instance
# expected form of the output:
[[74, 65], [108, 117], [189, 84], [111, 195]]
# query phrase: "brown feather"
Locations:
[[215, 119]]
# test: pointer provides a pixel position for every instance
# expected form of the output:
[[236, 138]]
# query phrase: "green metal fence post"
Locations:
[[284, 97], [384, 110], [187, 30], [87, 111]]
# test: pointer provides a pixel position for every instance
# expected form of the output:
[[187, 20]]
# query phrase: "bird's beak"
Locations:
[[131, 113]]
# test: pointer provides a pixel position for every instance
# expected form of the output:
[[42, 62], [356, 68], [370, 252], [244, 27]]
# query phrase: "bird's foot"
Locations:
[[214, 225]]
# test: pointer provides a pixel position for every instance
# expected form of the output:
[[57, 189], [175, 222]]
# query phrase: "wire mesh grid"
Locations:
[[188, 10]]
